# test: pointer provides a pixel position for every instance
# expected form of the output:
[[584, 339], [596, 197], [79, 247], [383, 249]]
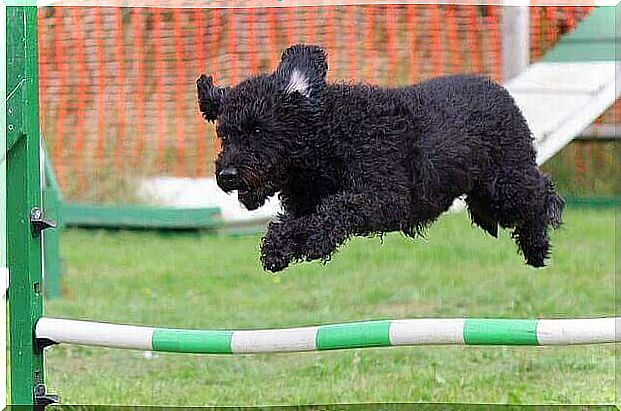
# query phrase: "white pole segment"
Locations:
[[577, 331], [286, 340], [427, 331], [98, 334]]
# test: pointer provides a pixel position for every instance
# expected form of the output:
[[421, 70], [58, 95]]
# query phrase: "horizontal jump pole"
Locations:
[[381, 333]]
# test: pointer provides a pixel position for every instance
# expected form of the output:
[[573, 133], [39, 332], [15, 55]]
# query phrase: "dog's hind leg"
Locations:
[[532, 235], [533, 240], [526, 201], [481, 215]]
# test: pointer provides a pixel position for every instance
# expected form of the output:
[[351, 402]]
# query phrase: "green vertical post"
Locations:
[[52, 202], [23, 194]]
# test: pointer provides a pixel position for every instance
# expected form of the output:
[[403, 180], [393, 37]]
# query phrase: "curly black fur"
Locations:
[[356, 159]]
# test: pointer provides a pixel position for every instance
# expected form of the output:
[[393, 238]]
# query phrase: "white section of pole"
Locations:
[[577, 331], [97, 334], [284, 340], [427, 331]]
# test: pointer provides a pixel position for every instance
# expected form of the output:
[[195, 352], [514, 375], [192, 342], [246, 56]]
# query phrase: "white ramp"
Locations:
[[560, 100]]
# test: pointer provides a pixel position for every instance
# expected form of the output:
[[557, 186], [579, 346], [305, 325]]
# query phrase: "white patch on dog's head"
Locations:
[[298, 82]]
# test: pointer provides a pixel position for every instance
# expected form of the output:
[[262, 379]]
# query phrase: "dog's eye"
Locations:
[[256, 131]]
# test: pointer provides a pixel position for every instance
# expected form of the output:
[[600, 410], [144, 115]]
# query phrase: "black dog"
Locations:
[[355, 159]]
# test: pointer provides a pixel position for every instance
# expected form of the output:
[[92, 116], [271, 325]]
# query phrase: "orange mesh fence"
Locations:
[[118, 91]]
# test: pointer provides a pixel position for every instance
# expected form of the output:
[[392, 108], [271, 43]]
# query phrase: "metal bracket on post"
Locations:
[[41, 343], [38, 222], [42, 399]]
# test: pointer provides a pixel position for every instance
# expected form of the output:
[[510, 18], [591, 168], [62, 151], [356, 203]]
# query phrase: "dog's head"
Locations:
[[265, 123]]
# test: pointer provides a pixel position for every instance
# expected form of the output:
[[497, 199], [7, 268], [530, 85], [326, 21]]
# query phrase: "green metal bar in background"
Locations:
[[139, 217], [593, 202], [23, 194]]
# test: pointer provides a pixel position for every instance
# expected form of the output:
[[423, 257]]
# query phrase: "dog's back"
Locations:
[[471, 103], [463, 121]]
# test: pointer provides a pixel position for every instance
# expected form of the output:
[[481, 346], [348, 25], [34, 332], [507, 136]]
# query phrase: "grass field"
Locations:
[[206, 281]]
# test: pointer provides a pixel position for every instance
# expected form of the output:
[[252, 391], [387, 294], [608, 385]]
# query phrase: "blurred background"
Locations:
[[118, 84]]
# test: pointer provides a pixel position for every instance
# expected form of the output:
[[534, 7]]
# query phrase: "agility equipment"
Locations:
[[366, 334]]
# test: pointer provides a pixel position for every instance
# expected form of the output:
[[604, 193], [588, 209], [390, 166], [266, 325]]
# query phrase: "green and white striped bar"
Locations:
[[332, 337]]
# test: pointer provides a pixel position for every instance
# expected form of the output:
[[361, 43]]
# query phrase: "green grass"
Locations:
[[206, 281]]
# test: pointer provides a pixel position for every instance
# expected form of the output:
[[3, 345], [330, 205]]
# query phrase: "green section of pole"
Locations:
[[500, 332], [23, 194], [354, 335], [192, 341]]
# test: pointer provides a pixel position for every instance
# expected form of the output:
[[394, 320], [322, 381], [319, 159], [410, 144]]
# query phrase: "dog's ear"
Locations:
[[210, 97], [303, 69]]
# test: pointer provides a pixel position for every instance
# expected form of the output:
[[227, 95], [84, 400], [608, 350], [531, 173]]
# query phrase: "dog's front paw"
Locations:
[[319, 248], [275, 256], [321, 244], [277, 247], [275, 260]]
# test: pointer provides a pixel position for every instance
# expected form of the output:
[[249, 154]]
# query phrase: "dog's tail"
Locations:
[[554, 205]]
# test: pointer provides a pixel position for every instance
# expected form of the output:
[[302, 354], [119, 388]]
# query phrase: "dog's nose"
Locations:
[[229, 172], [229, 178]]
